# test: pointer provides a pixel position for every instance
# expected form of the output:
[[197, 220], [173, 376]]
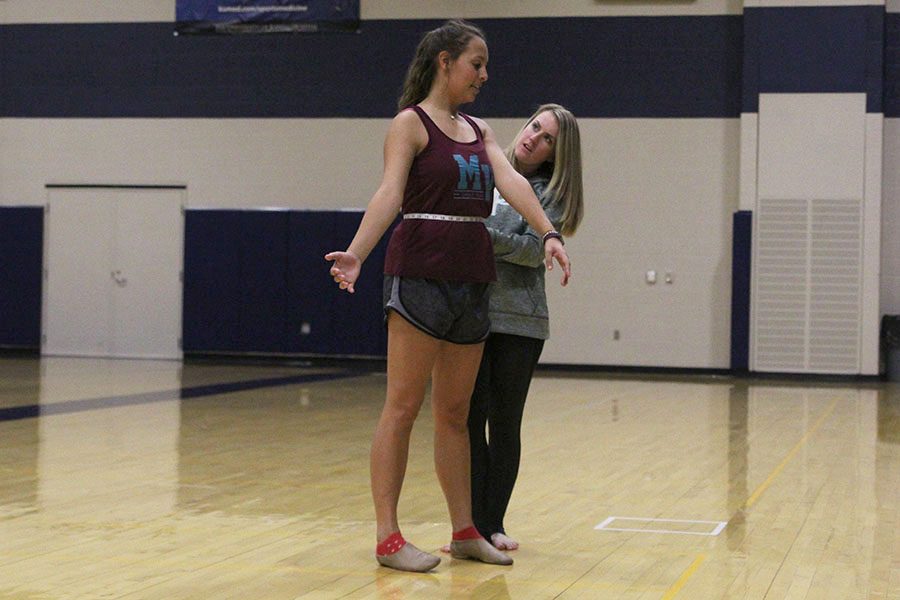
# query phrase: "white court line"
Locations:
[[719, 526]]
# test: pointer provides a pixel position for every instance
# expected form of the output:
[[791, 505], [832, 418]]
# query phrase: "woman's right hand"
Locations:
[[345, 269]]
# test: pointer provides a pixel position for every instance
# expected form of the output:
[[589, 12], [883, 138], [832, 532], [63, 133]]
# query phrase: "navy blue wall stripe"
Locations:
[[750, 62], [21, 265], [599, 67], [892, 65], [837, 49], [616, 67], [741, 246]]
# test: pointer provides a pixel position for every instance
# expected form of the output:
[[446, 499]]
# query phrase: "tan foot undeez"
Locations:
[[397, 553], [478, 549]]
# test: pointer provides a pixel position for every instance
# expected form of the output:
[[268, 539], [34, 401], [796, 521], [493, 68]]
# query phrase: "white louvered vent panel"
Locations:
[[807, 286], [780, 297], [835, 286]]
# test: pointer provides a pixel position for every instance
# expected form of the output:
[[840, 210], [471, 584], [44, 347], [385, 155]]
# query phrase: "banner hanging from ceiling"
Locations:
[[266, 16]]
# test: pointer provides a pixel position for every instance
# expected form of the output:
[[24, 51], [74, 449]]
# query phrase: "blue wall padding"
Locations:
[[742, 226], [358, 320], [311, 292], [21, 268], [322, 318], [824, 49], [661, 66], [257, 282], [263, 280], [235, 281], [212, 286]]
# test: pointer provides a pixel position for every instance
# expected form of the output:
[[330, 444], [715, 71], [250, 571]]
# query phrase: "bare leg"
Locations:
[[453, 380], [411, 355]]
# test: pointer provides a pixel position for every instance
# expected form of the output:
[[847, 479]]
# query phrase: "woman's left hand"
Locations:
[[554, 249]]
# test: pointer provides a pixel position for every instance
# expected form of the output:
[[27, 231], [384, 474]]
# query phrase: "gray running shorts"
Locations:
[[453, 311]]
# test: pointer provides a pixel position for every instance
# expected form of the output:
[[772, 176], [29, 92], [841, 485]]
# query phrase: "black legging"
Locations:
[[498, 402]]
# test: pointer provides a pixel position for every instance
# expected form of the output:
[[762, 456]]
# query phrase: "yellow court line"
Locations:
[[751, 500], [771, 478], [676, 587]]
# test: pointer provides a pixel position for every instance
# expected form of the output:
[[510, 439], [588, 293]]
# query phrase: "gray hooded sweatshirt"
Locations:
[[518, 299]]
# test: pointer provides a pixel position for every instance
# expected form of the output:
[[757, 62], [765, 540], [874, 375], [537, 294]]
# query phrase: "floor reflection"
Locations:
[[19, 437], [738, 453], [124, 457], [889, 414], [886, 481], [299, 433]]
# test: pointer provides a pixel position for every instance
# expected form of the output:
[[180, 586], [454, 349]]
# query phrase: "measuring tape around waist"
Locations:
[[436, 217]]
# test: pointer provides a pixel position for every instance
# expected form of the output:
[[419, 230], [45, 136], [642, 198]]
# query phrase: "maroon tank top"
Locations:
[[446, 178]]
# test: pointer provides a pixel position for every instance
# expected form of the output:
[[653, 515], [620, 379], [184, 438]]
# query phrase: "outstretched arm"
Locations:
[[523, 246], [403, 141], [517, 191]]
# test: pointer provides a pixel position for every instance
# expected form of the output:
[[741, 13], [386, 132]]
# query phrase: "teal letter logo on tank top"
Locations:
[[469, 172], [471, 175]]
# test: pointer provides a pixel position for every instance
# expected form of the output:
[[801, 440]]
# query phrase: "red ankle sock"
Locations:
[[392, 544], [469, 533]]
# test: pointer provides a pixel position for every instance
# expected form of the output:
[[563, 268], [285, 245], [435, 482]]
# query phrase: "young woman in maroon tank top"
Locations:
[[438, 167]]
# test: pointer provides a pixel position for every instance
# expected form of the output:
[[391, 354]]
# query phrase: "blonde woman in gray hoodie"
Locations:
[[547, 152]]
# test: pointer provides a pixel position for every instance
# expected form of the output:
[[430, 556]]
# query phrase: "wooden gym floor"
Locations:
[[160, 480]]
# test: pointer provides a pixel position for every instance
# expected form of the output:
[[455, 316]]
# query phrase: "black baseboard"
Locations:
[[19, 352], [576, 370], [358, 363], [623, 369]]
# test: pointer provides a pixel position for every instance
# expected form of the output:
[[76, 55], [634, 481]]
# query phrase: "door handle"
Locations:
[[117, 277]]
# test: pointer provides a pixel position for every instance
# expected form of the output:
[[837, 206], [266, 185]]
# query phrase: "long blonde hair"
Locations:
[[453, 36], [565, 183]]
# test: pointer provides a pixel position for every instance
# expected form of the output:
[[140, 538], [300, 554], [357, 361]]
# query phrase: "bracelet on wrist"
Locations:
[[553, 234]]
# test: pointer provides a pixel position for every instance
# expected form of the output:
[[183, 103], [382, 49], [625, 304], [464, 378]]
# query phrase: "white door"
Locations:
[[77, 303], [148, 265], [113, 272]]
